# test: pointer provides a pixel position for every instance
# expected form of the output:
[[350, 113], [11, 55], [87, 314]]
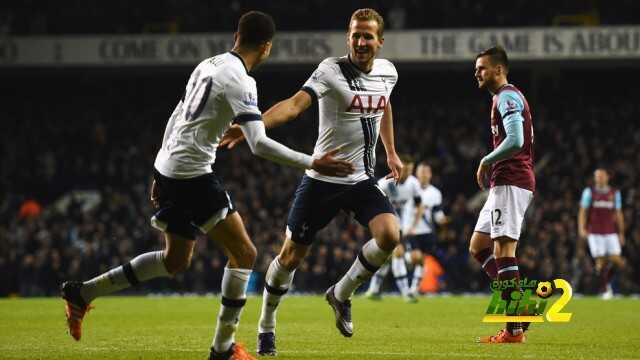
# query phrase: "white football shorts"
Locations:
[[503, 212], [604, 245]]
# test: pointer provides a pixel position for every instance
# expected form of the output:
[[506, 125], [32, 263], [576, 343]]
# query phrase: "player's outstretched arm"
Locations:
[[287, 110], [263, 146], [279, 114], [386, 134]]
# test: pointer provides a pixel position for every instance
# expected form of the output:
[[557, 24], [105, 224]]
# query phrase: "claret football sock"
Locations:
[[508, 270], [488, 262]]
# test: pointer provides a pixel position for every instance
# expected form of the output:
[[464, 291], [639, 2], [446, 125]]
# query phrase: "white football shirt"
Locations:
[[401, 195], [219, 91], [351, 104], [431, 199]]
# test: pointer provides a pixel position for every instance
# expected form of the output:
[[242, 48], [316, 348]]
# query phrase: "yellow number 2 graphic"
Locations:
[[554, 313]]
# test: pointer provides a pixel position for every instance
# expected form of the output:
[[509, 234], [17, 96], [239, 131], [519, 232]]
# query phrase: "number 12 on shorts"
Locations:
[[496, 217]]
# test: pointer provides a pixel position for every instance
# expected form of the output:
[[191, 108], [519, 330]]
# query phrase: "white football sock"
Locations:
[[234, 296], [277, 283], [144, 267], [378, 279], [407, 257], [369, 259], [399, 270], [418, 271]]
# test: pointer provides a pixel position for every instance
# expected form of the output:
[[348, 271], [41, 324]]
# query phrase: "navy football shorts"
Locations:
[[190, 206], [317, 202]]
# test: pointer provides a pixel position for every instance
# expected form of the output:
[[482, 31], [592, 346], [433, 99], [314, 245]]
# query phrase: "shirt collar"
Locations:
[[241, 60]]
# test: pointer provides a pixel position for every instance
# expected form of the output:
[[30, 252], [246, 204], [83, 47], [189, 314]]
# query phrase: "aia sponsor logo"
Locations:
[[367, 104]]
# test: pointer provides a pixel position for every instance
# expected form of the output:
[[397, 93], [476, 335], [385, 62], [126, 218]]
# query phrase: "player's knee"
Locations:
[[398, 251], [618, 261], [290, 258], [176, 264], [389, 238], [248, 256], [417, 256]]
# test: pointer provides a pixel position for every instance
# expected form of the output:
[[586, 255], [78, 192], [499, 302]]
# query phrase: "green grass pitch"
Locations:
[[435, 328]]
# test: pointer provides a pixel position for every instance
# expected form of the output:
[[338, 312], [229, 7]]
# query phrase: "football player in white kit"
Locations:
[[353, 97], [405, 195], [190, 198], [420, 238]]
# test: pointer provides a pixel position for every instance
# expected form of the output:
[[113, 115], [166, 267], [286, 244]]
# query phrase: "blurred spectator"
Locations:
[[29, 209]]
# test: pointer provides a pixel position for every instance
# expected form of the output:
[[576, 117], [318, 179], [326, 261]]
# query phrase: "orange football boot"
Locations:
[[75, 307], [503, 336]]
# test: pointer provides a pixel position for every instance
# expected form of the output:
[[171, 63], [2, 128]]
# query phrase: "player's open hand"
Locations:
[[328, 165], [395, 165], [232, 137], [482, 175]]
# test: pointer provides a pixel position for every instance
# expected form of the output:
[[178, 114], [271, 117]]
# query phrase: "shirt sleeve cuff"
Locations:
[[243, 118], [311, 92]]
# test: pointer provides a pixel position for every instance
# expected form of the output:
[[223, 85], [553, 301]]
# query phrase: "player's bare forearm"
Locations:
[[620, 223], [582, 221], [386, 134], [286, 110], [386, 131]]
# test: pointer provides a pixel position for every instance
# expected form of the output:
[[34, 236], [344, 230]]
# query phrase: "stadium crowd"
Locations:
[[34, 17], [76, 168]]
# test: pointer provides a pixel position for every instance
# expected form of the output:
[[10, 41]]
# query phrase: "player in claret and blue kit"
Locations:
[[508, 169], [601, 222]]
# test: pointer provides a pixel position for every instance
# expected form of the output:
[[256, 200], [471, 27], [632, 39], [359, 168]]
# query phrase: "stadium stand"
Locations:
[[76, 168]]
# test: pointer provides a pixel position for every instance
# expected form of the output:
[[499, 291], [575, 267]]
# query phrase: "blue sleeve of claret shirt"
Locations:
[[585, 199], [510, 106], [618, 200]]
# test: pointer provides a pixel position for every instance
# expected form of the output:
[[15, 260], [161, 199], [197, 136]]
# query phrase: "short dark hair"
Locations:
[[255, 28], [497, 56]]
